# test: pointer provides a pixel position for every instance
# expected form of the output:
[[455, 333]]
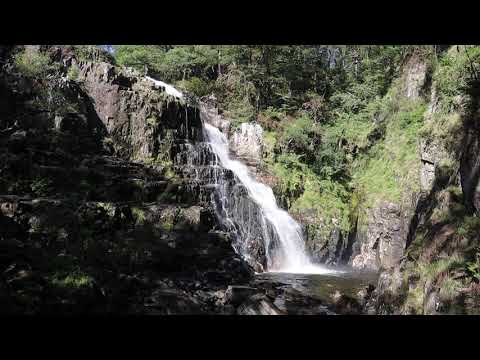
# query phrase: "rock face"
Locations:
[[102, 232], [415, 77], [383, 242], [139, 118], [383, 231], [333, 248], [470, 162], [432, 153], [209, 109], [247, 143]]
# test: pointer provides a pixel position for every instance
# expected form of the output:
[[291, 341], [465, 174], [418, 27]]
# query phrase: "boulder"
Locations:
[[258, 305], [236, 295], [247, 143]]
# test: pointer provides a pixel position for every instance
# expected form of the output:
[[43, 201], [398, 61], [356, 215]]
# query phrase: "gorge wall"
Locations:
[[104, 205]]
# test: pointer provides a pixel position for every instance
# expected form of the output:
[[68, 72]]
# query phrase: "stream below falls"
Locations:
[[335, 292]]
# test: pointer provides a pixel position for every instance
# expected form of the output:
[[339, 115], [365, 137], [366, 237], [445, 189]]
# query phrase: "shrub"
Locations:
[[456, 72], [392, 165], [73, 73], [448, 289], [139, 215], [297, 134], [32, 64], [196, 86], [432, 270], [93, 53], [73, 281]]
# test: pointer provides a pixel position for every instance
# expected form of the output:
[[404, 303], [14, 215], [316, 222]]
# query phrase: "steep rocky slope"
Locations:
[[95, 214], [434, 272]]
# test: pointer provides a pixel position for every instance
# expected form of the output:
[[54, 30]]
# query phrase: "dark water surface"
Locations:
[[322, 286]]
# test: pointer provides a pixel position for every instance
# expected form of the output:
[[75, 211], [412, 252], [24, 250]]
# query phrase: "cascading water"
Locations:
[[291, 255], [247, 208]]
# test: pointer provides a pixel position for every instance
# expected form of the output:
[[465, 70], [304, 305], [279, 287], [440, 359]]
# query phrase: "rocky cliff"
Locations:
[[99, 208], [435, 274]]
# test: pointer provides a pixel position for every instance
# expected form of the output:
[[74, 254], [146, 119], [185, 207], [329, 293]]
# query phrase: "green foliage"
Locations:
[[269, 143], [473, 269], [73, 73], [455, 75], [414, 300], [430, 271], [391, 166], [92, 53], [291, 172], [297, 135], [139, 215], [304, 192], [33, 64], [109, 208], [71, 281], [449, 289], [196, 86], [139, 56]]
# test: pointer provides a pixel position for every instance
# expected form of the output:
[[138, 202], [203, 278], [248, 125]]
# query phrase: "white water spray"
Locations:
[[169, 89]]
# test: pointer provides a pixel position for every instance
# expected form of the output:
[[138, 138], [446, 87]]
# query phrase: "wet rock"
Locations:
[[9, 228], [470, 168], [364, 295], [432, 303], [173, 301], [236, 295], [293, 302], [344, 304], [326, 249], [258, 305], [17, 141]]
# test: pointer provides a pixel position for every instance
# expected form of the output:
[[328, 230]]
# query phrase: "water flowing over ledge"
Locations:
[[169, 89], [248, 209], [288, 253]]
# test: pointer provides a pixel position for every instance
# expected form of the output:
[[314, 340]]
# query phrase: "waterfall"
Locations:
[[169, 89], [247, 208], [290, 255]]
